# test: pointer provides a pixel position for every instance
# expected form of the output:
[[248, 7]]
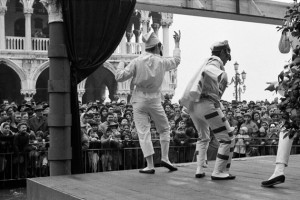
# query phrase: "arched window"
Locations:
[[19, 6], [38, 8], [38, 23], [20, 27]]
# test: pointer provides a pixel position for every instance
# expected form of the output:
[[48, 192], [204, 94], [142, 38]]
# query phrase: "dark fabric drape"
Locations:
[[93, 29]]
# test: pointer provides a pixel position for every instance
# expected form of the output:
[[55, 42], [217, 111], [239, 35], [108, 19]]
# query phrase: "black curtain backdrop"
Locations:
[[93, 30]]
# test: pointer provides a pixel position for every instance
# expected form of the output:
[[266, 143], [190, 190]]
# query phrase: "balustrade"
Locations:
[[15, 43], [40, 44]]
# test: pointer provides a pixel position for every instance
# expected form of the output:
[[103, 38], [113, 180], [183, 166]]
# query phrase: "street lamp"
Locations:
[[238, 82]]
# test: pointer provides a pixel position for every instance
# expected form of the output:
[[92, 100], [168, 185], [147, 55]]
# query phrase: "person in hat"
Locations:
[[202, 99], [38, 122], [148, 72], [249, 123]]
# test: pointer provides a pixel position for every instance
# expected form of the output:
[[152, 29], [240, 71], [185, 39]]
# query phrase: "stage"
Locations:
[[181, 185]]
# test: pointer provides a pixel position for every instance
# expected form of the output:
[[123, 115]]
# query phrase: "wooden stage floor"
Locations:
[[181, 185]]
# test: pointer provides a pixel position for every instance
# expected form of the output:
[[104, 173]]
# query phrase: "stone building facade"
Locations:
[[24, 63]]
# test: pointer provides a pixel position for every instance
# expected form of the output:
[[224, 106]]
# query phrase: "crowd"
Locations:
[[110, 140]]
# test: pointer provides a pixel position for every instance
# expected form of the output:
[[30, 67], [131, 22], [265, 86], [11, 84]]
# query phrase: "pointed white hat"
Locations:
[[150, 39]]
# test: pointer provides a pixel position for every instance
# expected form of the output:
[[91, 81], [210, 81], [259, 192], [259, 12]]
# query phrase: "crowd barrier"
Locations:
[[35, 163]]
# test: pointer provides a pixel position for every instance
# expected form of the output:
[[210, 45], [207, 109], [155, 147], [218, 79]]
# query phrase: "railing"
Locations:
[[35, 163], [40, 44], [134, 48], [15, 43]]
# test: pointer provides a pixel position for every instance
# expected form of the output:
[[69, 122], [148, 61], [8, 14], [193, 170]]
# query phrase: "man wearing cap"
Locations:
[[202, 98], [148, 72], [38, 122]]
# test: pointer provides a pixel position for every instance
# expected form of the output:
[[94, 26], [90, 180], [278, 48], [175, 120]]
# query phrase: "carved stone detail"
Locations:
[[166, 19], [28, 93], [3, 7], [27, 4], [145, 16], [54, 11]]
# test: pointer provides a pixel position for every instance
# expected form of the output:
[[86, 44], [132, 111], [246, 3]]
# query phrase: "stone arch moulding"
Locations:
[[46, 64], [15, 67], [38, 72]]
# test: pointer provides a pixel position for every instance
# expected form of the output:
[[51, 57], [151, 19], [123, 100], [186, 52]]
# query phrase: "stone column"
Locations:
[[3, 9], [145, 21], [28, 94], [166, 21], [123, 47], [28, 10], [59, 89]]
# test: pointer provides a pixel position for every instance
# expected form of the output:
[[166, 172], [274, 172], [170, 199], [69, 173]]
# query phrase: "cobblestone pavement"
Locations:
[[13, 194]]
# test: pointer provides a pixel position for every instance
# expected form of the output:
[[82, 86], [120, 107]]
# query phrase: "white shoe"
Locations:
[[221, 176]]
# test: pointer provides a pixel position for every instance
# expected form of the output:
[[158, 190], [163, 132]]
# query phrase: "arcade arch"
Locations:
[[10, 84]]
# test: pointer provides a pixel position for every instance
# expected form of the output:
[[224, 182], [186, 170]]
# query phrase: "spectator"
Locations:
[[110, 109], [172, 128], [6, 147], [233, 122], [103, 114], [39, 122], [256, 118], [22, 148], [275, 116], [24, 117], [181, 138], [169, 111], [94, 143], [16, 120], [128, 144], [128, 115], [242, 140], [9, 110], [251, 126], [97, 117], [177, 116], [272, 139], [2, 114], [85, 143], [109, 119]]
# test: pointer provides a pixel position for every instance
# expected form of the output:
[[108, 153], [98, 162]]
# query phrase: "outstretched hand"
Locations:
[[177, 36]]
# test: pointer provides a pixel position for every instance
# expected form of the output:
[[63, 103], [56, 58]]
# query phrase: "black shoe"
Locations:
[[170, 167], [273, 181], [149, 171], [200, 175], [230, 177]]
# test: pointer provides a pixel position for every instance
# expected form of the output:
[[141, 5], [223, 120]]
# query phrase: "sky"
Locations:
[[254, 47]]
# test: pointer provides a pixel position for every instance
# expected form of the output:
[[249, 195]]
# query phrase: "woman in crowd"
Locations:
[[103, 114], [256, 118], [6, 147], [242, 140]]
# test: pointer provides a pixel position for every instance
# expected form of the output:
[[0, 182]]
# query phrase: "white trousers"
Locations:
[[207, 115], [142, 111], [284, 149]]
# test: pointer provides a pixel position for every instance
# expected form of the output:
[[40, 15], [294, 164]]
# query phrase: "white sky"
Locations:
[[254, 46]]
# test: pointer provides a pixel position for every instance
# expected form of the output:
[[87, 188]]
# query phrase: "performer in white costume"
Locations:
[[287, 42], [148, 72], [202, 99]]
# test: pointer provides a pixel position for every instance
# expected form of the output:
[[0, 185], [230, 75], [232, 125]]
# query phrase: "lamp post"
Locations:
[[238, 82]]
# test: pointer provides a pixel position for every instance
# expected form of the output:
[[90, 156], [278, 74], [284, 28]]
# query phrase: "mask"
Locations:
[[161, 53]]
